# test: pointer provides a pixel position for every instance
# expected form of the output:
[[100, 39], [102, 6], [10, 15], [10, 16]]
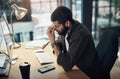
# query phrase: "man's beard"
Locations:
[[64, 31]]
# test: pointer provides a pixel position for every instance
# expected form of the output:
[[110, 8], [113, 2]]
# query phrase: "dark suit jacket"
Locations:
[[82, 51]]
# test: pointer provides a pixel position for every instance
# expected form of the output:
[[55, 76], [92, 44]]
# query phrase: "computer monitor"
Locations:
[[3, 44], [4, 55], [4, 50], [6, 31], [6, 39]]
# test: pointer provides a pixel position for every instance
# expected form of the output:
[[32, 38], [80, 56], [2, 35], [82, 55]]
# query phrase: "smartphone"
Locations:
[[46, 68]]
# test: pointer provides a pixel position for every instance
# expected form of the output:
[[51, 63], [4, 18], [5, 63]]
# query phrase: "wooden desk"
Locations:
[[27, 55]]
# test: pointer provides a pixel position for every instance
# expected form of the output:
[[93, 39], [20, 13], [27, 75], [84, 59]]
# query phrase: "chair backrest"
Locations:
[[108, 48]]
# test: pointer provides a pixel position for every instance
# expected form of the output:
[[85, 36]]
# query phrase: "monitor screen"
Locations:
[[5, 29], [5, 37], [3, 45]]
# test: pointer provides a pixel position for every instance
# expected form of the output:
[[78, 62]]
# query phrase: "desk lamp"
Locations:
[[20, 12]]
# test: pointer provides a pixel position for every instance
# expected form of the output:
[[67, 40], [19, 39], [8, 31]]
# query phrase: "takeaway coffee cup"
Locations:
[[25, 70]]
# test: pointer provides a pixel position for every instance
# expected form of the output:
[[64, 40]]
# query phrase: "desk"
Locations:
[[29, 56]]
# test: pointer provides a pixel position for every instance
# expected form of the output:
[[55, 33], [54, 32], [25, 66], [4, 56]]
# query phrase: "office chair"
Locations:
[[107, 50]]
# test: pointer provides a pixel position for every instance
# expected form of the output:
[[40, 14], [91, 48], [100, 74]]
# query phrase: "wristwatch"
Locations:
[[53, 44]]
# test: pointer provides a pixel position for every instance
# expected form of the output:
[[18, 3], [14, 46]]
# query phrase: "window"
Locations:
[[41, 10], [104, 12]]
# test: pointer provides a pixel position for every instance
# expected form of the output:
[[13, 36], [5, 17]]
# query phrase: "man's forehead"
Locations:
[[55, 22]]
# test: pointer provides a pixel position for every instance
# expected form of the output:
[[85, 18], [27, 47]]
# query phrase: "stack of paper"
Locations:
[[36, 43]]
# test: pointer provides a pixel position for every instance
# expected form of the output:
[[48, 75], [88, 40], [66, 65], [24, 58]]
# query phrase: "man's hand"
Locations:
[[51, 34]]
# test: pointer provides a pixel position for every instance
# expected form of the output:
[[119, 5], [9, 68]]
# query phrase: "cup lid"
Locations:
[[24, 64]]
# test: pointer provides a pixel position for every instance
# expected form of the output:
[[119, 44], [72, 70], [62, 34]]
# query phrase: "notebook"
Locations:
[[37, 44], [43, 57]]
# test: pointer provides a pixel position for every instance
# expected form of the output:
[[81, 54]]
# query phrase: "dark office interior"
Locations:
[[97, 15]]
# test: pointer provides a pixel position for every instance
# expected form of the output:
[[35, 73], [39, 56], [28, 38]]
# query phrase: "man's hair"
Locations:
[[61, 14]]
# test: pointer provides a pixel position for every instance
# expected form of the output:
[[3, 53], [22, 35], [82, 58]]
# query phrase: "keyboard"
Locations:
[[43, 57]]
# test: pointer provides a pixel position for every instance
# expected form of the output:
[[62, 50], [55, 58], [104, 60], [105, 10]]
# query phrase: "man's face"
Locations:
[[60, 28]]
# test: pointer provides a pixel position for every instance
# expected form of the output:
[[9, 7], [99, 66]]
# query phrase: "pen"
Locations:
[[45, 45]]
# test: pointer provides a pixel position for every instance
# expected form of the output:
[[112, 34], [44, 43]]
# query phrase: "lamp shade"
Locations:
[[20, 12]]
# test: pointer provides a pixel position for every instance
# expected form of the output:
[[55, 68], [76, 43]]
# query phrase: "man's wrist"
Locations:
[[53, 44]]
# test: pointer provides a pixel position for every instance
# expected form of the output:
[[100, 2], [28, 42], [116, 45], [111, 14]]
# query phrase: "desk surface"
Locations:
[[27, 55]]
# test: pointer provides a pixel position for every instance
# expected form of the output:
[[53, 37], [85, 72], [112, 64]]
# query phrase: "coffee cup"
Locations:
[[25, 70]]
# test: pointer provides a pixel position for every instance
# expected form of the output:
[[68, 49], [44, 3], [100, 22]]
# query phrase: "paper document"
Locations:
[[43, 57], [36, 43], [2, 60]]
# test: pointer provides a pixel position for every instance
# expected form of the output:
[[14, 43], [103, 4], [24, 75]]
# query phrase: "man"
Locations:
[[74, 45]]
